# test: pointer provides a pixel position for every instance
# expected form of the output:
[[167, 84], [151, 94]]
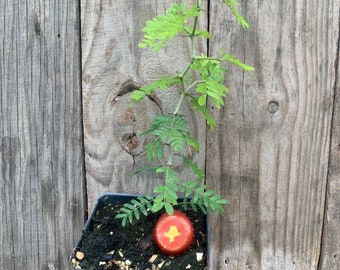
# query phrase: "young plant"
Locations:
[[202, 78]]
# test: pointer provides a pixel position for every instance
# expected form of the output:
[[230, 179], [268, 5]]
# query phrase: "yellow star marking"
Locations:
[[172, 233]]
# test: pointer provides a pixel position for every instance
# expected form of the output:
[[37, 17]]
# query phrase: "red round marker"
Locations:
[[173, 234]]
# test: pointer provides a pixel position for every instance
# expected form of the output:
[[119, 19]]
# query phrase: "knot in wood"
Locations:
[[273, 106]]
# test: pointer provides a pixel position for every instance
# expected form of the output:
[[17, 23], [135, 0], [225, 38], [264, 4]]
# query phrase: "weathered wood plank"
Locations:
[[270, 153], [330, 249], [41, 153], [113, 65]]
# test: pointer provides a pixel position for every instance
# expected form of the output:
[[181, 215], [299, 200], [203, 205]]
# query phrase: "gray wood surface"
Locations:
[[274, 154], [270, 154], [113, 66], [41, 153], [330, 252]]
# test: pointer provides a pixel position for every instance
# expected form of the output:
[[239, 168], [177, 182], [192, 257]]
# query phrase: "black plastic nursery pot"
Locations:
[[104, 244]]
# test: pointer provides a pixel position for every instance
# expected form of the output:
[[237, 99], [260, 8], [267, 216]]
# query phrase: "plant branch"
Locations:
[[207, 76]]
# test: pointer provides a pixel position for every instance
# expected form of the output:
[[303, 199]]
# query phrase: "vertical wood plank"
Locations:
[[269, 155], [330, 251], [41, 152], [113, 66]]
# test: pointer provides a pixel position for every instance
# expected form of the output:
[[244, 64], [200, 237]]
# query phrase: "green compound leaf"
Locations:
[[193, 166], [172, 177], [213, 89], [170, 195], [159, 189], [129, 206], [203, 208], [171, 130], [130, 217], [161, 84], [193, 205], [136, 213], [123, 217], [202, 100], [146, 201], [136, 203], [168, 192], [171, 133], [124, 221], [202, 33], [169, 208], [237, 62], [222, 201], [188, 187], [164, 27], [144, 169], [194, 143], [154, 149], [144, 210], [231, 4], [131, 210], [211, 85], [157, 206], [207, 200], [203, 109]]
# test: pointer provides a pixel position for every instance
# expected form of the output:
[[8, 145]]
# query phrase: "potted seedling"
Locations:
[[169, 229]]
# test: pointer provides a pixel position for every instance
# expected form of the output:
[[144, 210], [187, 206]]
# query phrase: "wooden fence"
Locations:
[[66, 67]]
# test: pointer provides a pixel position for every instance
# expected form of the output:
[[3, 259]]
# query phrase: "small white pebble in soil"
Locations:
[[80, 255], [153, 258], [102, 263], [127, 262], [117, 262], [120, 253], [160, 265], [188, 266], [199, 256]]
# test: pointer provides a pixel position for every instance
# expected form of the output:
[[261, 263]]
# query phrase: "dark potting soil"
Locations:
[[107, 245]]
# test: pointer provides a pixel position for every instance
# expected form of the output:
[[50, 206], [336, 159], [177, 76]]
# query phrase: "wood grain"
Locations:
[[41, 153], [269, 155], [274, 154], [113, 66], [330, 246]]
